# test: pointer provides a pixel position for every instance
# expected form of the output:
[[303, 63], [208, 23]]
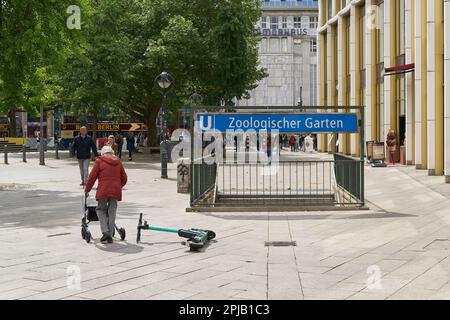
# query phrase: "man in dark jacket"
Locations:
[[82, 146]]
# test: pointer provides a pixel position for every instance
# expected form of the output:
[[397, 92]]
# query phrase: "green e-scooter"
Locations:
[[196, 238]]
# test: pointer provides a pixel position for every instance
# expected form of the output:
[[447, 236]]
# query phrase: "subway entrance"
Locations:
[[239, 160]]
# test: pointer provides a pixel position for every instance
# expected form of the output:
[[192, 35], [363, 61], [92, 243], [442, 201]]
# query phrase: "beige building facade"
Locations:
[[393, 57]]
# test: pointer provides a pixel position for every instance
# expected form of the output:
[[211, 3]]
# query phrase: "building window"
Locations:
[[264, 23], [273, 23], [284, 44], [284, 23], [263, 45], [297, 22], [313, 22], [313, 45], [330, 9]]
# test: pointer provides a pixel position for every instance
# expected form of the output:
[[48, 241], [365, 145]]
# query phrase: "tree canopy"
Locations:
[[208, 46]]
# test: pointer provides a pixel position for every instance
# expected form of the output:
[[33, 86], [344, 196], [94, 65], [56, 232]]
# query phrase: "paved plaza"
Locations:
[[399, 249]]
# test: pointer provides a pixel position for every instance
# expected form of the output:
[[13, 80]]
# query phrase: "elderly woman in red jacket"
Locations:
[[109, 171]]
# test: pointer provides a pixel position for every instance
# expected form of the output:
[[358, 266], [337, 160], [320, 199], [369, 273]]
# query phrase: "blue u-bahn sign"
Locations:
[[284, 123]]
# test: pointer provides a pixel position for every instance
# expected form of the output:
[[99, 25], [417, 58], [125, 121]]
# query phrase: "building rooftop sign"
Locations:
[[269, 4], [284, 32]]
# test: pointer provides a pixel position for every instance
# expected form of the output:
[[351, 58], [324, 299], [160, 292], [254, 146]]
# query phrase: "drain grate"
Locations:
[[280, 243]]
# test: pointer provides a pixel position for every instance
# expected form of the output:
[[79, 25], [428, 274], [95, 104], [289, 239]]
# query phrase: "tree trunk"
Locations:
[[94, 130], [12, 123], [152, 132]]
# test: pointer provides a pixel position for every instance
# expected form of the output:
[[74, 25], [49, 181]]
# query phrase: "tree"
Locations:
[[208, 46], [33, 43], [96, 77]]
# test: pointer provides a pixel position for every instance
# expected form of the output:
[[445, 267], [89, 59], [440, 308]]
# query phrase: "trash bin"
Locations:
[[171, 145], [183, 174]]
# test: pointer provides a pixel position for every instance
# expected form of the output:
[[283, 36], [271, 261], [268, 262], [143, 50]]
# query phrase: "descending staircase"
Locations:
[[270, 203]]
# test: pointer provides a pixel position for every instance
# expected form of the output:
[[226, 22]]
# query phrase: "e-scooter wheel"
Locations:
[[195, 246], [122, 233], [211, 234]]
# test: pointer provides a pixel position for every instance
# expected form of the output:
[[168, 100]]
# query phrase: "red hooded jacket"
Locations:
[[111, 178]]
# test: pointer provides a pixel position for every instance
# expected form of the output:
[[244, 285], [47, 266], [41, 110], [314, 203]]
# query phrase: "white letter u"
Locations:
[[202, 122]]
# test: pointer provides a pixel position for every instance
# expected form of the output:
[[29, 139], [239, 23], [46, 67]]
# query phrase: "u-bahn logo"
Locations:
[[205, 123]]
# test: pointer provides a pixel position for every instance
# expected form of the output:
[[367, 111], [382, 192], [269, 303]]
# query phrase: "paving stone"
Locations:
[[330, 261], [108, 291]]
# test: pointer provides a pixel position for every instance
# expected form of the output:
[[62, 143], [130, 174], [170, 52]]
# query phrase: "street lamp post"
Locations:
[[41, 139], [300, 100], [164, 83]]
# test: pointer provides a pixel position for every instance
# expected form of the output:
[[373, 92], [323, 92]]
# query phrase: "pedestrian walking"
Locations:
[[81, 148], [292, 141], [130, 146], [269, 146], [297, 144], [112, 143], [391, 142], [119, 142], [111, 176]]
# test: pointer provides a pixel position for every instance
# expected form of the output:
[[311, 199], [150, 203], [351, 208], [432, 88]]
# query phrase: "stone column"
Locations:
[[409, 78], [388, 42], [431, 85], [353, 73], [447, 90]]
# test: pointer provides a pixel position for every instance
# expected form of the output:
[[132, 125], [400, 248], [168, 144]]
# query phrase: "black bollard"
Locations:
[[5, 150], [57, 151], [24, 153]]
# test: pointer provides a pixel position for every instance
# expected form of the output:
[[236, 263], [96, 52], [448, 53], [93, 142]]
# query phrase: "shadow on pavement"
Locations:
[[318, 216], [49, 209], [119, 247]]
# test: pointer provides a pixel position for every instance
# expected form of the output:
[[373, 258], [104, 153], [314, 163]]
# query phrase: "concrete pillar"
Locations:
[[341, 74], [409, 79], [371, 66], [431, 86], [323, 89], [447, 90], [333, 79], [439, 89], [353, 72], [369, 52], [418, 82], [387, 63], [330, 85]]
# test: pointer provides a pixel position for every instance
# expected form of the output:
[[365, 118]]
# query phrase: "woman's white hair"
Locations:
[[107, 150]]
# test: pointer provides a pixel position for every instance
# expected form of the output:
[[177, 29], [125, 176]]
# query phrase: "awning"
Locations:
[[399, 69]]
